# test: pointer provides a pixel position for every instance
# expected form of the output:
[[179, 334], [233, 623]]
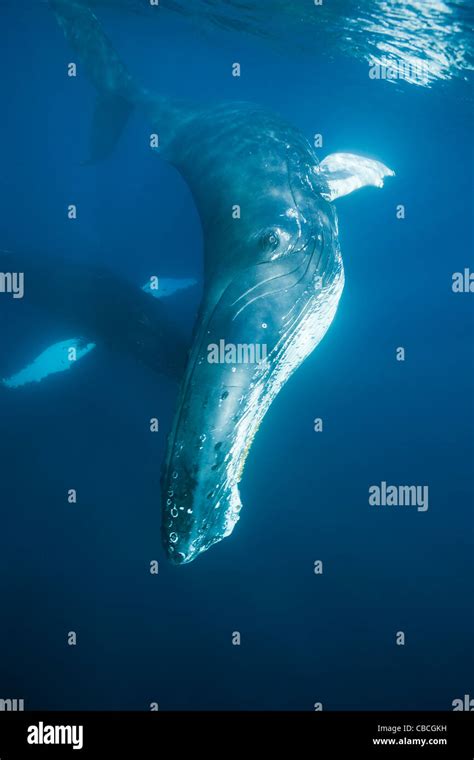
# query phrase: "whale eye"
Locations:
[[270, 240]]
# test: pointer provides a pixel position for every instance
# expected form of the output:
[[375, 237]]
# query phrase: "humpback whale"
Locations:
[[273, 270], [99, 308]]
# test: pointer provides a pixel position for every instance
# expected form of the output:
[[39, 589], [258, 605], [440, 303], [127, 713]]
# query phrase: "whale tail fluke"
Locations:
[[117, 93], [111, 115]]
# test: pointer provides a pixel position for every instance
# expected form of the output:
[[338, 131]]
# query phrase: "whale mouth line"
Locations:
[[305, 264]]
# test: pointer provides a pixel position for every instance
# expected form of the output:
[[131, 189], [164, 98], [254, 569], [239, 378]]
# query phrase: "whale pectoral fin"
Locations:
[[162, 287], [56, 358], [345, 172]]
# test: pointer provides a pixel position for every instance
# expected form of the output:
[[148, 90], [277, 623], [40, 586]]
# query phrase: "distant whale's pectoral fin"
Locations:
[[162, 287], [345, 172], [56, 358]]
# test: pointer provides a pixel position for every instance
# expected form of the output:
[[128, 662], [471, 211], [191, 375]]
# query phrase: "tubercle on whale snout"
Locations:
[[181, 550], [202, 501]]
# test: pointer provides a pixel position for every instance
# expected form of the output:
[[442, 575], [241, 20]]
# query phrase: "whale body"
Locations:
[[273, 271]]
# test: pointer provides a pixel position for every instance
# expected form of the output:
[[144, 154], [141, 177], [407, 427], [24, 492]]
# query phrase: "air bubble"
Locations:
[[173, 537], [174, 512], [174, 475]]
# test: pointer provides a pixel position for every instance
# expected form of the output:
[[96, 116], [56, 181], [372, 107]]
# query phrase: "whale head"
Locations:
[[273, 279]]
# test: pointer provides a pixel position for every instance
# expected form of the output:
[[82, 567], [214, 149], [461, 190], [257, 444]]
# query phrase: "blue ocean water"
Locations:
[[84, 567]]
